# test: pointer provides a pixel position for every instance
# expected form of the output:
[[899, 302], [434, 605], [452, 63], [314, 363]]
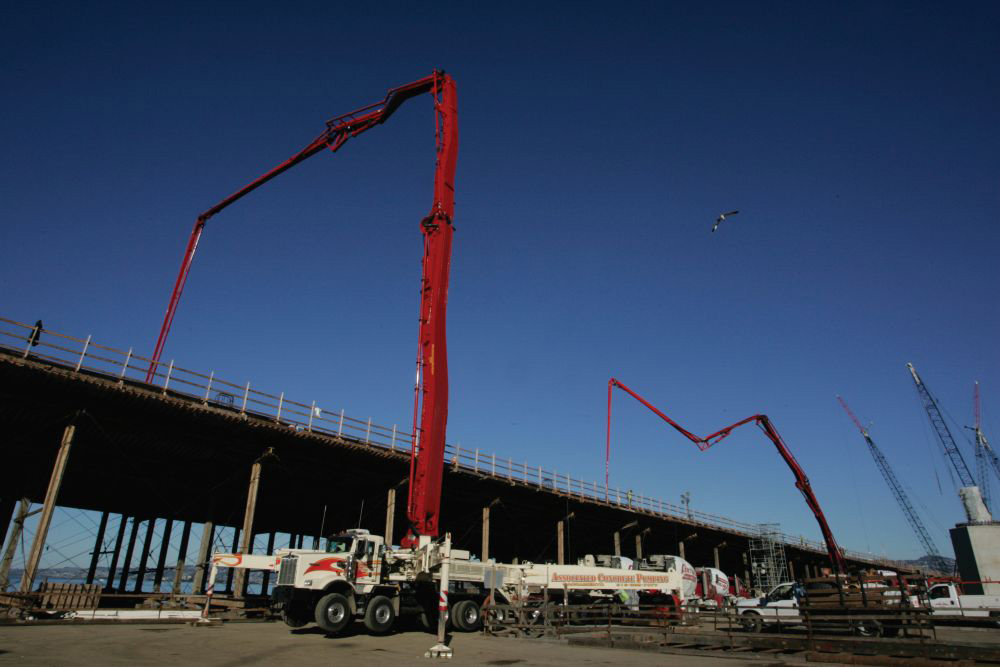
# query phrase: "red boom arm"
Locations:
[[431, 392], [801, 481]]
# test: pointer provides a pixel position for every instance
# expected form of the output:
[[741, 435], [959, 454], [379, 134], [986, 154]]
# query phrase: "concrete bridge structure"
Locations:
[[194, 452]]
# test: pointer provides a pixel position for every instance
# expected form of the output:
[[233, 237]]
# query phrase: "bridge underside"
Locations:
[[143, 454]]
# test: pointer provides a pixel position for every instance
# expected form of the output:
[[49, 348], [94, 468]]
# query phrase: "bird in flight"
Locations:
[[722, 216]]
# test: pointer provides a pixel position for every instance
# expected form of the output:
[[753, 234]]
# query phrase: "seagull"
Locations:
[[722, 216]]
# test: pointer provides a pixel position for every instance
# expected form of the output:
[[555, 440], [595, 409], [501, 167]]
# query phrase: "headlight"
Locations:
[[307, 583]]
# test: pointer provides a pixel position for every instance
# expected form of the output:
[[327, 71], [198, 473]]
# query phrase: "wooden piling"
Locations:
[[485, 552], [161, 562], [24, 505], [247, 532], [560, 551], [175, 588], [204, 553], [147, 544], [98, 548], [109, 585], [48, 507], [390, 516], [129, 550]]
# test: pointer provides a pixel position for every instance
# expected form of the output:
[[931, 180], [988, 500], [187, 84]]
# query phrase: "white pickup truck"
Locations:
[[947, 601], [779, 607]]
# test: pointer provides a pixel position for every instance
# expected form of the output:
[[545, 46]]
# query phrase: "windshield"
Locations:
[[339, 544]]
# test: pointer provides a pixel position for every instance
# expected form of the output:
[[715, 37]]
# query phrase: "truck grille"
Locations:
[[286, 573]]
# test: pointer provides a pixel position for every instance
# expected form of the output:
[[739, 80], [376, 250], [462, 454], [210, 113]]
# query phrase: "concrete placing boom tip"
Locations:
[[722, 216]]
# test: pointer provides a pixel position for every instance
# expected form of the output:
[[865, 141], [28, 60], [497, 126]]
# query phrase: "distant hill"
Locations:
[[927, 563]]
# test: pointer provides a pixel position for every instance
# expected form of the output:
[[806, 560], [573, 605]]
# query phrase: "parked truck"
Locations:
[[948, 601]]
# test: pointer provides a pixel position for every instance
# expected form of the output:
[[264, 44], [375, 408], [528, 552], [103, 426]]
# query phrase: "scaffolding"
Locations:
[[768, 566]]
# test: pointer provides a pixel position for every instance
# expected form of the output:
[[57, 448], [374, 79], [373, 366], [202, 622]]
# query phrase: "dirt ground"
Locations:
[[243, 644]]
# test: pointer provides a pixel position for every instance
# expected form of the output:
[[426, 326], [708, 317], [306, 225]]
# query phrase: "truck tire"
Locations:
[[292, 621], [379, 615], [466, 616], [751, 621], [333, 613]]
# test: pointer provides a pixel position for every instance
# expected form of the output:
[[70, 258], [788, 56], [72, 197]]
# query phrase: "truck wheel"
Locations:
[[379, 615], [751, 621], [870, 628], [466, 616], [292, 621], [333, 612]]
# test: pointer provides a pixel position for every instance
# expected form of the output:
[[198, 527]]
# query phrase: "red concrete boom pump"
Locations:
[[801, 481], [431, 388]]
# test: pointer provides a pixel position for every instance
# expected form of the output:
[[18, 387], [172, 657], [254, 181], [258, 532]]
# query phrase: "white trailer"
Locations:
[[948, 601]]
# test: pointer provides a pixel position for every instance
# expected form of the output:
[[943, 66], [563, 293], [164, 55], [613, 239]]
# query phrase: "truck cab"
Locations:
[[780, 606], [947, 600], [333, 585]]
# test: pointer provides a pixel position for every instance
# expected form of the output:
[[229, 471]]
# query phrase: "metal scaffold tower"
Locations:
[[930, 548], [768, 565]]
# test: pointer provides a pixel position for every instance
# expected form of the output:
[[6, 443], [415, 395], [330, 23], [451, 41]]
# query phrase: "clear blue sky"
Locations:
[[598, 144]]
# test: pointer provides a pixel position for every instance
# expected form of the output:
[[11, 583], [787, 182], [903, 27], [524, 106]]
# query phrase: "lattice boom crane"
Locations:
[[930, 548]]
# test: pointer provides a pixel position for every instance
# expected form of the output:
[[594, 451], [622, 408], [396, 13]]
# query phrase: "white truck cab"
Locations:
[[779, 606], [947, 601]]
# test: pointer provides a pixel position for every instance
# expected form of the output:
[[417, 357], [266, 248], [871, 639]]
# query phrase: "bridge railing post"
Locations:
[[312, 411], [246, 397], [83, 354], [128, 358], [208, 389], [281, 403]]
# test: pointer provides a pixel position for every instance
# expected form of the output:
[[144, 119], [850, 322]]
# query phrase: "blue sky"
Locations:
[[598, 144]]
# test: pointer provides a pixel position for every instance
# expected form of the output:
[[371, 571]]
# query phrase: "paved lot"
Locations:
[[243, 644]]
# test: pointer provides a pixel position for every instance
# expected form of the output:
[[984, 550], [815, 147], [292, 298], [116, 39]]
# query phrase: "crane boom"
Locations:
[[941, 429], [985, 456], [902, 499], [430, 412], [801, 481]]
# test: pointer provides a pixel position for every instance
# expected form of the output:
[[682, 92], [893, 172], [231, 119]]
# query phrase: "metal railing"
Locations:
[[84, 355]]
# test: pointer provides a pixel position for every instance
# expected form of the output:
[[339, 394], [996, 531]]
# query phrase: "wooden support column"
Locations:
[[98, 548], [715, 553], [48, 507], [6, 514], [390, 516], [147, 544], [204, 553], [23, 513], [618, 543], [161, 562], [175, 588], [680, 549], [638, 547], [560, 552], [129, 550], [247, 545], [267, 573], [791, 570], [485, 552], [109, 585], [229, 574]]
